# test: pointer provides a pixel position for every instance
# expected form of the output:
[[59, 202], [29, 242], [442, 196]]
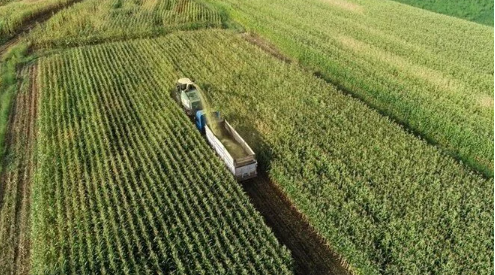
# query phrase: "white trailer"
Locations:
[[234, 151]]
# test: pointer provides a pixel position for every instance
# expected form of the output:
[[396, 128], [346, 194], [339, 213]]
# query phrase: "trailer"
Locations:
[[229, 145]]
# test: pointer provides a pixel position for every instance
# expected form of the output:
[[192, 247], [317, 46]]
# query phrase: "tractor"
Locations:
[[187, 95]]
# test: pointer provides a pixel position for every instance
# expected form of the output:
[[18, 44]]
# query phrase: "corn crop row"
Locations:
[[15, 13], [94, 21], [125, 184], [432, 73], [387, 201]]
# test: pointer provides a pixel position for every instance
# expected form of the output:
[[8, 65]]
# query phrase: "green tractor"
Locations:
[[187, 95]]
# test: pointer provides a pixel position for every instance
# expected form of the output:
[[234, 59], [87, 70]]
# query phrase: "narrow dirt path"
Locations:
[[17, 178], [309, 251]]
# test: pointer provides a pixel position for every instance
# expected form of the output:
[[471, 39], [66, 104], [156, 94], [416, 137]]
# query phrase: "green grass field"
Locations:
[[480, 11]]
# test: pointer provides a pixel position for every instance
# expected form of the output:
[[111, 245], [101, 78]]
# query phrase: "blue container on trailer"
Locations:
[[200, 119]]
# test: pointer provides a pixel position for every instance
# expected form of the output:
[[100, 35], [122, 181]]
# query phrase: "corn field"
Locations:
[[14, 13], [373, 118], [387, 201], [383, 199], [124, 182], [93, 21], [431, 73]]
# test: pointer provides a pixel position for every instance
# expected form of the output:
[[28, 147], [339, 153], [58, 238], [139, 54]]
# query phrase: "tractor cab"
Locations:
[[187, 95]]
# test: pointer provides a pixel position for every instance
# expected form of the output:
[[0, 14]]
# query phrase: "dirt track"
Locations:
[[17, 178], [309, 251]]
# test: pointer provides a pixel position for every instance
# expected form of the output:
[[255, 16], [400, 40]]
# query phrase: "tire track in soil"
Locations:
[[310, 252], [16, 180]]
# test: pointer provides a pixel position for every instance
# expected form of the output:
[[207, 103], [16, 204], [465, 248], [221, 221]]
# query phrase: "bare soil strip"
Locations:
[[310, 252], [17, 178]]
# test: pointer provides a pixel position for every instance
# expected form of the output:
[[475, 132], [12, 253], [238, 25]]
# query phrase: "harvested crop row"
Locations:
[[431, 73], [95, 21], [385, 200], [125, 184]]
